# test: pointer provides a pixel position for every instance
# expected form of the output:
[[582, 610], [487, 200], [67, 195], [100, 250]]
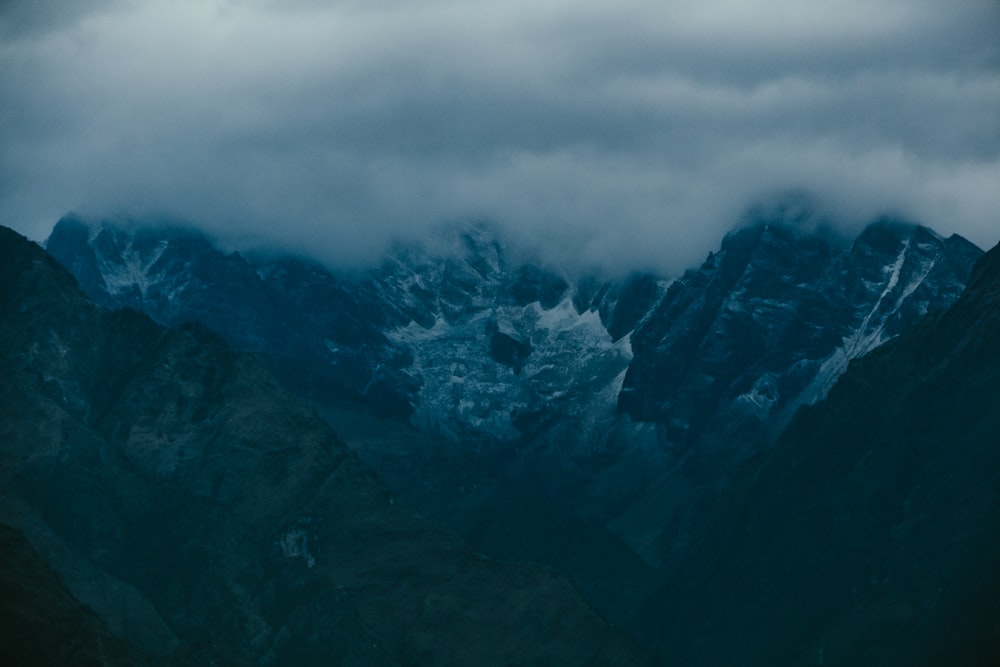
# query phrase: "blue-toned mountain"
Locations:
[[869, 534], [207, 516], [478, 341], [771, 321], [584, 422]]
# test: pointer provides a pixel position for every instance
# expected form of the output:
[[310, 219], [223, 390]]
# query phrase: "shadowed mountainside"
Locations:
[[589, 424], [870, 534], [200, 510]]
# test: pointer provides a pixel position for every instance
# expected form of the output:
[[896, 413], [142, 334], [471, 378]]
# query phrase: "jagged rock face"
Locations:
[[629, 402], [870, 533], [474, 343], [469, 343], [765, 326], [623, 410], [206, 515], [323, 333], [770, 322]]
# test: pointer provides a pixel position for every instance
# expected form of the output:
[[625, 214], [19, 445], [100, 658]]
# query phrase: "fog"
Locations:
[[628, 134]]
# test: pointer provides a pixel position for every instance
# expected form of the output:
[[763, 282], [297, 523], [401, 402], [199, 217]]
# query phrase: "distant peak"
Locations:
[[885, 235], [780, 232], [898, 226], [73, 225]]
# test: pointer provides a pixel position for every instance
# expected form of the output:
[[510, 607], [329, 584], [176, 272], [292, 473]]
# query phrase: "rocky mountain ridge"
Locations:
[[205, 515], [589, 424], [484, 343], [746, 552], [770, 322], [870, 533]]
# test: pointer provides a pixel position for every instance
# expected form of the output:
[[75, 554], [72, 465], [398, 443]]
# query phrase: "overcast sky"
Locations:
[[629, 132]]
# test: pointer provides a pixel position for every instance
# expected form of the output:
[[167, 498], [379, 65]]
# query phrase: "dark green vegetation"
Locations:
[[870, 534], [204, 515]]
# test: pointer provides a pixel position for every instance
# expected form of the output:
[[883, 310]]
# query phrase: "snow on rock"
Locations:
[[469, 338], [464, 388], [130, 270]]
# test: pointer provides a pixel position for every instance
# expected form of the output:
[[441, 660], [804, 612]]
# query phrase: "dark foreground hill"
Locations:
[[171, 500], [870, 534]]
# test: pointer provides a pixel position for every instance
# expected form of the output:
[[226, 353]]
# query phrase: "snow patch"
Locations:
[[866, 337], [871, 333], [131, 269], [573, 360]]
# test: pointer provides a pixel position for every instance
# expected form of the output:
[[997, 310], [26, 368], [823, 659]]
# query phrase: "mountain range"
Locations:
[[616, 403], [473, 338], [783, 456], [165, 501], [869, 534]]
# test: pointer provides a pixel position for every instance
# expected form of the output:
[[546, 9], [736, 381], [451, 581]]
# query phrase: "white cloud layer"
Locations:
[[627, 133]]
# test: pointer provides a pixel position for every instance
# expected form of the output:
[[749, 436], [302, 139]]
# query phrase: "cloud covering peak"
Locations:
[[628, 132]]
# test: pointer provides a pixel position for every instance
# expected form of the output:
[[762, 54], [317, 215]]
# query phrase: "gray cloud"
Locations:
[[626, 133]]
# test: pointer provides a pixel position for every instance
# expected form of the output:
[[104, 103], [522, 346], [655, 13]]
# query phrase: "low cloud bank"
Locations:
[[627, 134]]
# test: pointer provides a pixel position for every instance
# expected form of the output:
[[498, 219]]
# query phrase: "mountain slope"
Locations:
[[474, 339], [770, 322], [586, 423], [198, 508], [35, 604], [870, 534]]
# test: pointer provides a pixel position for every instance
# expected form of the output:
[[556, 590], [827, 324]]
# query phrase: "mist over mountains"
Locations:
[[524, 333], [617, 429], [625, 134]]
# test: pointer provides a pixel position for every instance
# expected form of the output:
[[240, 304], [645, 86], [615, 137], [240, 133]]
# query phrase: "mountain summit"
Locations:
[[771, 321]]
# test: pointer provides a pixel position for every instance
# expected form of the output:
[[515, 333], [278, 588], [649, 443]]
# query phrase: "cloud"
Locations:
[[631, 133]]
